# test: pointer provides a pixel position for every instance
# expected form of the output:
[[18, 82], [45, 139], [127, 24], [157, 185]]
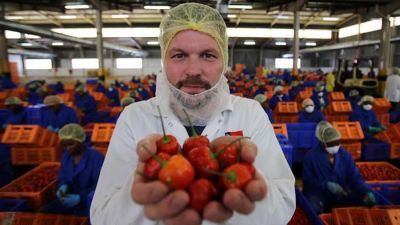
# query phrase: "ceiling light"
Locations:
[[232, 16], [67, 17], [14, 17], [249, 42], [157, 7], [311, 44], [80, 6], [26, 44], [240, 7], [330, 18], [152, 43], [282, 17], [57, 44], [119, 16], [280, 43]]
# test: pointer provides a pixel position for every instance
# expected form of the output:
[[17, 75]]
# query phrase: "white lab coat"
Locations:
[[392, 91], [112, 203]]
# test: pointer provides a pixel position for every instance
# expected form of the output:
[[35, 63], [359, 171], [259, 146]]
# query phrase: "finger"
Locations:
[[216, 212], [236, 200], [170, 206], [147, 192], [188, 216], [256, 189], [248, 148], [148, 143]]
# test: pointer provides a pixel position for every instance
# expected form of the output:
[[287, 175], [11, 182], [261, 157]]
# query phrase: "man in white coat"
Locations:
[[194, 48], [392, 91]]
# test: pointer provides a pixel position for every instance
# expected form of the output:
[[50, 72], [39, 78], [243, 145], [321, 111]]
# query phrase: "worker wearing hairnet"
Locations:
[[320, 97], [295, 89], [310, 114], [124, 103], [16, 112], [86, 103], [330, 176], [194, 53], [100, 87], [278, 96], [56, 114], [113, 96], [78, 175], [392, 90], [366, 116], [354, 98], [262, 99]]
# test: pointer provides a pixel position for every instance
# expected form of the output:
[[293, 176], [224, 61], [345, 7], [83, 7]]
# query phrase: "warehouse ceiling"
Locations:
[[322, 14]]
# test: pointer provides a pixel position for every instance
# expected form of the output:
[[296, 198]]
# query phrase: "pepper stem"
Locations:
[[215, 155], [194, 133], [166, 139], [162, 162]]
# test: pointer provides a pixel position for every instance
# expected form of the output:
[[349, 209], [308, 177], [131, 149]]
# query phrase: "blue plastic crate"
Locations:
[[380, 199], [5, 153], [302, 137], [389, 190], [4, 114], [310, 83], [13, 205], [91, 81], [34, 114], [374, 149], [302, 202], [288, 152]]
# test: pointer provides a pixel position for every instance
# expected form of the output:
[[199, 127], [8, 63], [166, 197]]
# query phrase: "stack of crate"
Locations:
[[101, 136], [338, 111], [392, 136], [306, 93], [280, 128], [366, 216], [381, 106], [352, 135], [336, 96], [10, 218], [101, 100], [286, 112], [38, 186], [32, 144]]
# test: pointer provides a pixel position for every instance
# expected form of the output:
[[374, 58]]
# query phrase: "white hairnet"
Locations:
[[366, 98], [260, 98], [278, 88], [52, 100], [307, 101], [72, 131], [326, 133]]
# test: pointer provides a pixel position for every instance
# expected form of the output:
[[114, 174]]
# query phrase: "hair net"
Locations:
[[278, 88], [295, 84], [198, 17], [307, 101], [127, 101], [319, 88], [72, 131], [13, 100], [366, 98], [80, 87], [326, 133], [52, 100], [354, 92], [260, 98]]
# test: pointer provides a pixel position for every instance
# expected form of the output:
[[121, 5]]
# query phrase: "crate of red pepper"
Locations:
[[304, 214], [40, 219], [38, 186]]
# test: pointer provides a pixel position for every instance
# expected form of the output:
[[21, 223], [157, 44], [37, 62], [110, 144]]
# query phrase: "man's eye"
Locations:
[[178, 56], [209, 56]]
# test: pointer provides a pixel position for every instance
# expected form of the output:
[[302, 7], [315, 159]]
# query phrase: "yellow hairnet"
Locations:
[[52, 100], [319, 88], [326, 133], [198, 17], [260, 98], [366, 98], [72, 131], [307, 101], [127, 101], [320, 126], [354, 92], [13, 100], [80, 87]]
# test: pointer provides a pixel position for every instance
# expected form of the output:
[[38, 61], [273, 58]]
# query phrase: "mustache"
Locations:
[[195, 80]]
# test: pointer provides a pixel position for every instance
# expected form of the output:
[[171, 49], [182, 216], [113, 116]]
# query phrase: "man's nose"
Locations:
[[193, 67]]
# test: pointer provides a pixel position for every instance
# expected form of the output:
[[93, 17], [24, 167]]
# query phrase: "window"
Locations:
[[38, 64], [88, 63], [129, 63], [282, 63]]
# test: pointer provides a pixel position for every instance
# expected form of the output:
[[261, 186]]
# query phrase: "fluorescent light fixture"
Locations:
[[80, 6], [38, 64], [85, 63], [288, 55], [232, 16], [14, 17], [120, 16], [311, 44], [330, 18], [249, 42], [281, 43], [240, 7], [152, 43], [129, 63], [366, 27], [67, 17], [286, 63], [31, 36], [157, 7], [12, 34], [282, 17], [57, 44], [26, 44]]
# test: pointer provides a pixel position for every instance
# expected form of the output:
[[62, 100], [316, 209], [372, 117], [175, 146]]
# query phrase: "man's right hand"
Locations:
[[158, 202]]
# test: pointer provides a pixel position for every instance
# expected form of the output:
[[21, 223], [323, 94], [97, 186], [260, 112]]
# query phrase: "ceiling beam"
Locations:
[[51, 18]]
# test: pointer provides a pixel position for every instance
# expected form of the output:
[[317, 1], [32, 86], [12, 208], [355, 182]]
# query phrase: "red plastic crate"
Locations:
[[327, 218], [354, 148], [305, 94], [379, 171], [32, 135], [337, 96], [35, 156], [38, 186], [383, 118], [350, 131], [351, 216], [101, 149], [41, 219], [339, 107], [287, 108], [102, 132], [280, 128], [299, 218], [115, 111], [285, 118], [65, 97], [385, 216], [337, 118], [381, 105]]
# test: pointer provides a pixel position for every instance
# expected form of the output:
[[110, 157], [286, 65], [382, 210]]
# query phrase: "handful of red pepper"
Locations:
[[205, 170]]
